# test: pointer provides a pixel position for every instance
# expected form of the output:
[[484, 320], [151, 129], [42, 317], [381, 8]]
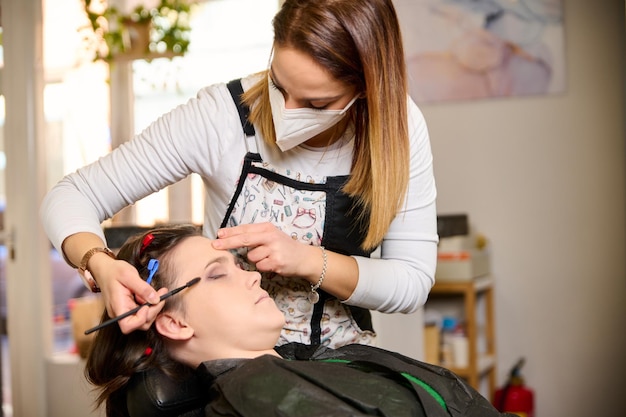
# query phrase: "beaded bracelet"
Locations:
[[314, 297]]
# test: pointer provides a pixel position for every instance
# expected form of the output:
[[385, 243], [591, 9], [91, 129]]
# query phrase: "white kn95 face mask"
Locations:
[[296, 126]]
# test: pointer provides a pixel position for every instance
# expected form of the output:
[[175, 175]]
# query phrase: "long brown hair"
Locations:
[[115, 357], [360, 44]]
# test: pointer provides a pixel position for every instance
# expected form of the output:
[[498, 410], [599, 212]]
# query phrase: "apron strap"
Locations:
[[236, 90]]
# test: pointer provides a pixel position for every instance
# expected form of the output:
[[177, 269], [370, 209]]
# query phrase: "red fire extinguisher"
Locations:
[[514, 397]]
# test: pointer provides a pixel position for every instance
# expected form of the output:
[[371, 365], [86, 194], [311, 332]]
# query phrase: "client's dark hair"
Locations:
[[115, 357]]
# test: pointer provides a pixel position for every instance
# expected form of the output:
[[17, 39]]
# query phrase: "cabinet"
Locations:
[[482, 362]]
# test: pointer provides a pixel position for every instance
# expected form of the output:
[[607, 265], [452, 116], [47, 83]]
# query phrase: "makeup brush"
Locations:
[[136, 309]]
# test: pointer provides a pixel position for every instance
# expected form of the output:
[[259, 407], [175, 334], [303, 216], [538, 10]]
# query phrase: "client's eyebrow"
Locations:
[[222, 259]]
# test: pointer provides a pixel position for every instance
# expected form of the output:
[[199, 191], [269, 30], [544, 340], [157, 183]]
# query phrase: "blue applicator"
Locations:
[[153, 266]]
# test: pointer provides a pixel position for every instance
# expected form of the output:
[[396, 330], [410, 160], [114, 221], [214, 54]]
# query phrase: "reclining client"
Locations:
[[222, 331]]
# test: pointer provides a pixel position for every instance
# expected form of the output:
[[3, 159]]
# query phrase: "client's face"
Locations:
[[227, 309]]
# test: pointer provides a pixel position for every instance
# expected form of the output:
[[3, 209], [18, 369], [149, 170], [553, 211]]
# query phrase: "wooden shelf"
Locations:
[[484, 365], [481, 364], [478, 284]]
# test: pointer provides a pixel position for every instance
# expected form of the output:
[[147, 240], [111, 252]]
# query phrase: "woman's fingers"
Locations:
[[123, 290], [143, 319], [270, 249], [245, 236]]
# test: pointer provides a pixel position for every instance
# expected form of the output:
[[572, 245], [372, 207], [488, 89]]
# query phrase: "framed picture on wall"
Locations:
[[479, 49]]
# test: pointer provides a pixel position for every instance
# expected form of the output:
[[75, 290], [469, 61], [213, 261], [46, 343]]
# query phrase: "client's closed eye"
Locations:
[[216, 271]]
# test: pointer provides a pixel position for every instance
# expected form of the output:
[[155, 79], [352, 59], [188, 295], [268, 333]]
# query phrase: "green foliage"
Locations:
[[111, 34]]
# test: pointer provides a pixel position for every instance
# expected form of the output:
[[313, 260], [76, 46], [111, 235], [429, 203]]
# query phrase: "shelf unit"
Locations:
[[481, 364]]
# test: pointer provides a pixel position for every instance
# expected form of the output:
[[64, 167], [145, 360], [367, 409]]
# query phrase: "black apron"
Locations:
[[313, 210]]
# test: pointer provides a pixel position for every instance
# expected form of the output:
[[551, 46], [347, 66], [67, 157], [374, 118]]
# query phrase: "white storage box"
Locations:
[[463, 265]]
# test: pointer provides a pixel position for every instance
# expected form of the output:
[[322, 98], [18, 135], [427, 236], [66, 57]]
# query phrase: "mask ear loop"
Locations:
[[153, 266]]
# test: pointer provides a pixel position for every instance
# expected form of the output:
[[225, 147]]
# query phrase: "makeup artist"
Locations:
[[308, 168]]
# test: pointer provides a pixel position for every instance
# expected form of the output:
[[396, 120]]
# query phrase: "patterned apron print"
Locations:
[[298, 205]]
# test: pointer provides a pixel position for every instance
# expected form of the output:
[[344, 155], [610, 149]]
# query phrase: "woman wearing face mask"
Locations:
[[308, 167]]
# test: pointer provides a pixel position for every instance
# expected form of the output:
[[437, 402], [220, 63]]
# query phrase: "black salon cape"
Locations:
[[354, 380]]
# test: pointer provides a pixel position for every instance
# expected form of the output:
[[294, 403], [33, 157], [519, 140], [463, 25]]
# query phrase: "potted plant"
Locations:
[[146, 32]]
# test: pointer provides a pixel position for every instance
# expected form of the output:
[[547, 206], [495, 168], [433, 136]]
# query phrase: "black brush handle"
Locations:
[[136, 309]]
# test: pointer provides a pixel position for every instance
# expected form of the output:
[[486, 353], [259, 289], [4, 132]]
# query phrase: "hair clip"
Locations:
[[148, 351], [146, 241], [153, 266]]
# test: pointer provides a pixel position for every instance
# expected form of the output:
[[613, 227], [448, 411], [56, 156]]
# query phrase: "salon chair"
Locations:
[[154, 394]]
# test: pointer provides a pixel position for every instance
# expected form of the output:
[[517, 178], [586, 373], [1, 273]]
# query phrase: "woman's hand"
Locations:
[[271, 250], [274, 251], [123, 289]]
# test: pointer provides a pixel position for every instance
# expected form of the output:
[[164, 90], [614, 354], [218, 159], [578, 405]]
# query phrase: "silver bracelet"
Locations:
[[314, 297]]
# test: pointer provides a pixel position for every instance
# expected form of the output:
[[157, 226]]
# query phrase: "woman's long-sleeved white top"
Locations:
[[205, 136]]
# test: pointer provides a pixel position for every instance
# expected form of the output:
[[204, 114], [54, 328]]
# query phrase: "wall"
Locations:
[[544, 179], [64, 374]]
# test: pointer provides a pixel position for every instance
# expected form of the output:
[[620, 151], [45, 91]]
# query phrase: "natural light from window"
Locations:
[[229, 39]]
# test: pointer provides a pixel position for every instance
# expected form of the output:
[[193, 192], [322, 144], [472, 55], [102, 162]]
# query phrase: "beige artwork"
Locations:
[[478, 49]]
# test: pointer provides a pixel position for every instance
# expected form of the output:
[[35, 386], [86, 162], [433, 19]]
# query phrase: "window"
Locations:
[[229, 39]]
